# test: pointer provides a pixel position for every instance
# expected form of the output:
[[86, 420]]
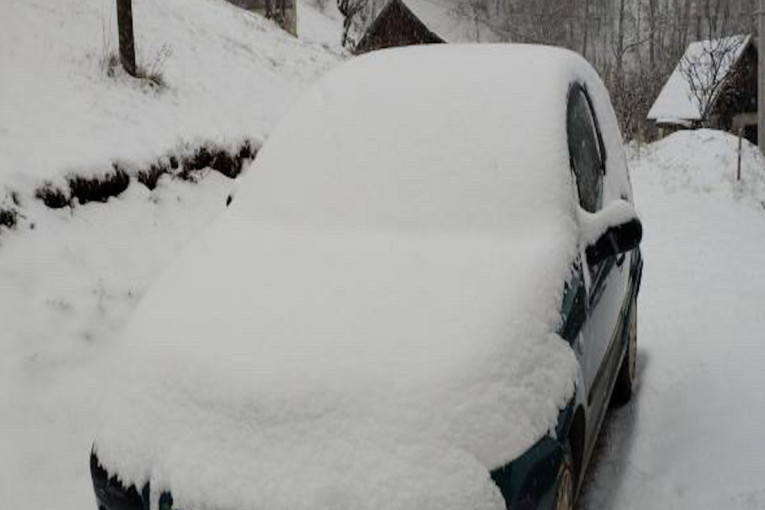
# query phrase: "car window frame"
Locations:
[[598, 273], [575, 90]]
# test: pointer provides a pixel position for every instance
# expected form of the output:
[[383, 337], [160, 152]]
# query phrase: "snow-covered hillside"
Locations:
[[690, 438], [227, 75], [70, 278]]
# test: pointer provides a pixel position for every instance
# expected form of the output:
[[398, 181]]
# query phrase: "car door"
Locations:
[[606, 283]]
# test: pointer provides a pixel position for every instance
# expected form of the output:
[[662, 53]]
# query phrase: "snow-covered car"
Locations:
[[422, 296]]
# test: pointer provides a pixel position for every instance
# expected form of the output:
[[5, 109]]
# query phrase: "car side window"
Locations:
[[587, 163], [584, 147]]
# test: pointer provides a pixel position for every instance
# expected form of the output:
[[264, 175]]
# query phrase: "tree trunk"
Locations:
[[125, 30], [652, 34]]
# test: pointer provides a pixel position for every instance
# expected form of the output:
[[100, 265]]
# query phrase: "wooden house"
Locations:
[[732, 92]]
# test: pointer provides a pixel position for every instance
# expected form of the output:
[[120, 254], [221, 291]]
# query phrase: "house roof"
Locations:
[[449, 20], [676, 103]]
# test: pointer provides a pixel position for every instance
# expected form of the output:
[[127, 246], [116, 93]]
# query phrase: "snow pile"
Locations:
[[412, 338], [704, 161], [226, 74], [390, 273]]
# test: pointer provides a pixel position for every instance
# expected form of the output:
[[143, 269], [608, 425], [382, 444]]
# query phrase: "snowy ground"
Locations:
[[691, 437]]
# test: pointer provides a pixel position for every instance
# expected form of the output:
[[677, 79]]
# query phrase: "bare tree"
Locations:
[[126, 39], [706, 67]]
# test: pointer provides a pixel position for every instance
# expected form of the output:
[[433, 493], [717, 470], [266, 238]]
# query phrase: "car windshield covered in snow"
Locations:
[[389, 142]]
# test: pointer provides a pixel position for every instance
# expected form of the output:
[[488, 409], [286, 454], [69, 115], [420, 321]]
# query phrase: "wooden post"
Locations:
[[740, 138], [125, 30]]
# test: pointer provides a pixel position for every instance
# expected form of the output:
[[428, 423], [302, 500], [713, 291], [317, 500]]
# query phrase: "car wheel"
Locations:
[[628, 371], [565, 485]]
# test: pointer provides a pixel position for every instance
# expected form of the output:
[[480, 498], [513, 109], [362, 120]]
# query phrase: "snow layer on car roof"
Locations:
[[373, 325], [457, 137]]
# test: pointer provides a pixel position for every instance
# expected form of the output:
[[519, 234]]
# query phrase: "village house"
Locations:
[[714, 85], [283, 12], [408, 22]]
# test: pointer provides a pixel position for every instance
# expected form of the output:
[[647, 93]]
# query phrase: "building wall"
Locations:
[[395, 26]]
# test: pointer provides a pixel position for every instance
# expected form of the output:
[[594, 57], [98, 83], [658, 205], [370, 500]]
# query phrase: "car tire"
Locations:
[[565, 485], [625, 381]]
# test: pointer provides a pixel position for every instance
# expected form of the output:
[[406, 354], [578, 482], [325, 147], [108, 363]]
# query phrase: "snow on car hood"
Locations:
[[367, 329], [442, 342]]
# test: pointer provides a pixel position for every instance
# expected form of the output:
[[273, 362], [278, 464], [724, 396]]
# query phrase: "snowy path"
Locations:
[[692, 436]]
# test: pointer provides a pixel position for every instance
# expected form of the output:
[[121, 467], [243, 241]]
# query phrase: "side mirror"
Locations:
[[617, 240], [612, 231]]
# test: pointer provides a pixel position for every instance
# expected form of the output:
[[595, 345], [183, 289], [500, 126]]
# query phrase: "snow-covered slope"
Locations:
[[320, 22], [691, 437], [228, 75], [70, 278]]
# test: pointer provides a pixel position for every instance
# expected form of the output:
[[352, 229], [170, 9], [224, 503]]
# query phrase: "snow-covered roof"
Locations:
[[676, 103], [373, 323], [451, 21]]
